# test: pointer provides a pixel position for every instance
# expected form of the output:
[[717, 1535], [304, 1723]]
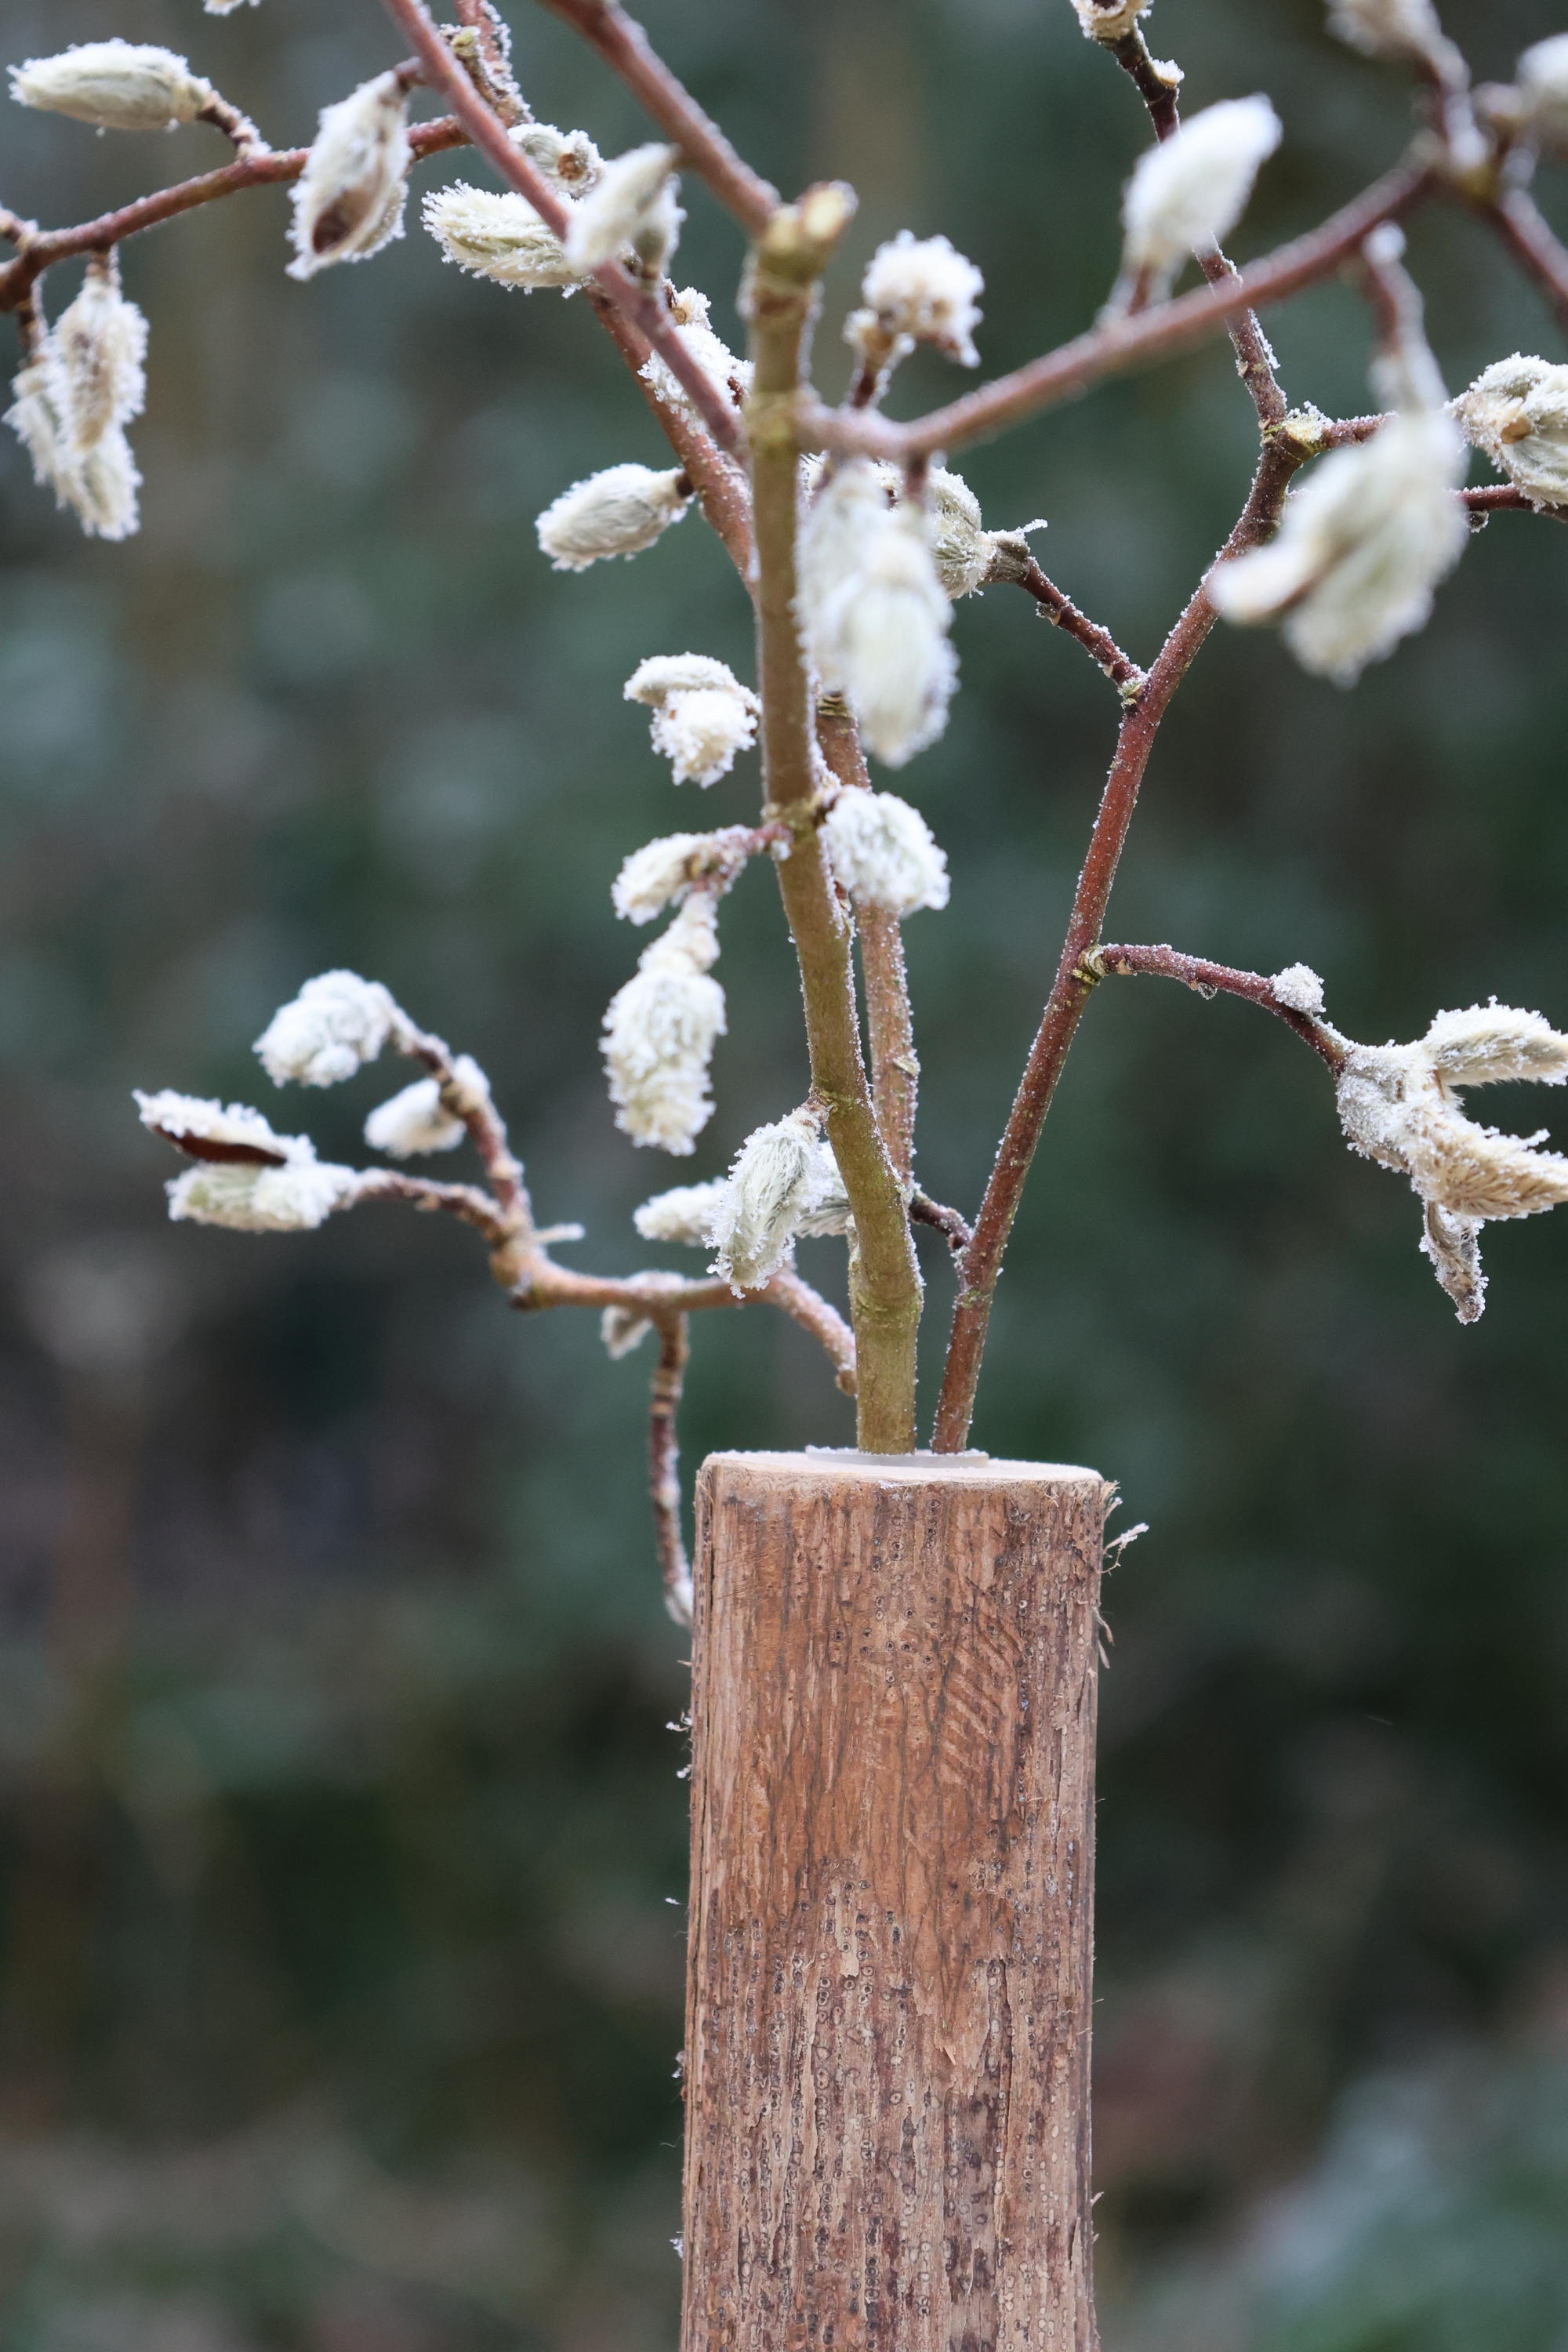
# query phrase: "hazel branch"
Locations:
[[627, 50], [1121, 343], [982, 1260], [1207, 979]]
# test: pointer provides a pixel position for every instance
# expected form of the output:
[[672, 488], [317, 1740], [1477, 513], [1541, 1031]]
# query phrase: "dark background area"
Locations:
[[341, 1822]]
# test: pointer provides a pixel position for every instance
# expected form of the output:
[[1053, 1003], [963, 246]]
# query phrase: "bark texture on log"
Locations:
[[892, 1843]]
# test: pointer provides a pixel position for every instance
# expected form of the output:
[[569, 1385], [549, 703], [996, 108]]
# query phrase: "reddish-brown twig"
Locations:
[[1211, 979], [1099, 644], [465, 1201], [1528, 236], [720, 481], [954, 1230], [664, 1462], [1501, 497]]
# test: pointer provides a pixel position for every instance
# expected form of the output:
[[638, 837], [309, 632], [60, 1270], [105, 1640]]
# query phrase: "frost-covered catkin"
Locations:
[[1298, 988], [1399, 1105], [247, 1176], [98, 481], [683, 1215], [663, 873], [1190, 191], [632, 203], [1543, 82], [336, 1024], [97, 348], [209, 1130], [883, 853], [1517, 411], [114, 84], [618, 512], [876, 614], [778, 1177], [730, 376], [702, 714], [1361, 547], [916, 291], [660, 1030], [1386, 28], [498, 236], [424, 1118], [349, 200]]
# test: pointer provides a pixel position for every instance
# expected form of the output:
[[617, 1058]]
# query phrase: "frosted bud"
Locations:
[[917, 291], [777, 1177], [98, 484], [829, 1213], [731, 377], [1386, 28], [205, 1131], [497, 236], [96, 347], [1298, 988], [622, 1329], [1543, 82], [1190, 191], [1517, 411], [1109, 20], [618, 512], [337, 1023], [659, 1034], [702, 714], [115, 85], [631, 203], [1399, 1106], [883, 854], [417, 1120], [875, 614], [663, 873], [568, 159], [962, 549], [250, 1200], [683, 1215], [1362, 545], [348, 201]]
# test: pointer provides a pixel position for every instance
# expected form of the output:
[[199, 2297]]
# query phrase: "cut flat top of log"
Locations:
[[839, 1464]]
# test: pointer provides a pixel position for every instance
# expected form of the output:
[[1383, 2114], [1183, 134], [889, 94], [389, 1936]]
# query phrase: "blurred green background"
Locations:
[[342, 1834]]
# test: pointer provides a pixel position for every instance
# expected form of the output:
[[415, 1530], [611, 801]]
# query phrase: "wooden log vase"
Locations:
[[892, 1844]]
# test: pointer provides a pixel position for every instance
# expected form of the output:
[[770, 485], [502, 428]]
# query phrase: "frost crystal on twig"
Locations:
[[349, 200], [337, 1023], [498, 236], [618, 512], [778, 1178], [1399, 1106], [683, 1215], [876, 614], [1190, 191], [916, 291], [882, 853], [702, 714], [1517, 411], [660, 1030], [1298, 988], [728, 375], [114, 84], [632, 203]]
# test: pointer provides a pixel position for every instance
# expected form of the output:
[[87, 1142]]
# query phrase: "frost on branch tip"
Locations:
[[498, 236], [336, 1024], [1543, 84], [660, 1030], [1517, 411], [780, 1174], [114, 84], [1188, 191], [632, 203], [664, 873], [1298, 988], [618, 512], [875, 614], [915, 290], [1399, 1105], [702, 714], [731, 377], [882, 853], [349, 200], [247, 1176], [75, 397]]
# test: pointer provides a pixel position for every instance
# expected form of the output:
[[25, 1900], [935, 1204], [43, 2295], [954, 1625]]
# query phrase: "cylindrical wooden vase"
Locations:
[[892, 1844]]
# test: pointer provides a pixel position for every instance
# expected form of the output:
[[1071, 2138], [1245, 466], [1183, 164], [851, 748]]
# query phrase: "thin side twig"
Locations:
[[543, 1285], [1207, 979], [465, 1201], [954, 1230], [1501, 497], [1099, 644], [1519, 221], [664, 1462]]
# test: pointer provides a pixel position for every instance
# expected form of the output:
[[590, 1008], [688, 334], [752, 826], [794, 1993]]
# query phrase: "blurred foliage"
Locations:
[[341, 1820]]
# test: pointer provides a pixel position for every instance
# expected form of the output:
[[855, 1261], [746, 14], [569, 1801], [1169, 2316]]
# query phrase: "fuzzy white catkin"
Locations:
[[659, 1034], [95, 348], [187, 1119], [702, 714], [882, 852], [416, 1120], [1543, 80], [730, 376], [919, 291], [1190, 191], [777, 1177], [498, 236], [659, 875], [250, 1200], [98, 484], [631, 201], [114, 84], [618, 512], [1517, 411], [336, 1024], [876, 614], [1398, 1105], [683, 1215], [1361, 547], [1298, 988], [962, 548], [1386, 28], [349, 200]]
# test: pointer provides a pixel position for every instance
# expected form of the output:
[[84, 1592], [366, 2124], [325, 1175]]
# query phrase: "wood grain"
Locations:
[[888, 1997]]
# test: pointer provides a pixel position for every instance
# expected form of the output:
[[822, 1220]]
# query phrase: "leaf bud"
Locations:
[[1517, 411], [660, 1030], [702, 714], [114, 84], [349, 200], [882, 853], [632, 203], [498, 236], [1189, 191], [777, 1177], [618, 512], [336, 1024]]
